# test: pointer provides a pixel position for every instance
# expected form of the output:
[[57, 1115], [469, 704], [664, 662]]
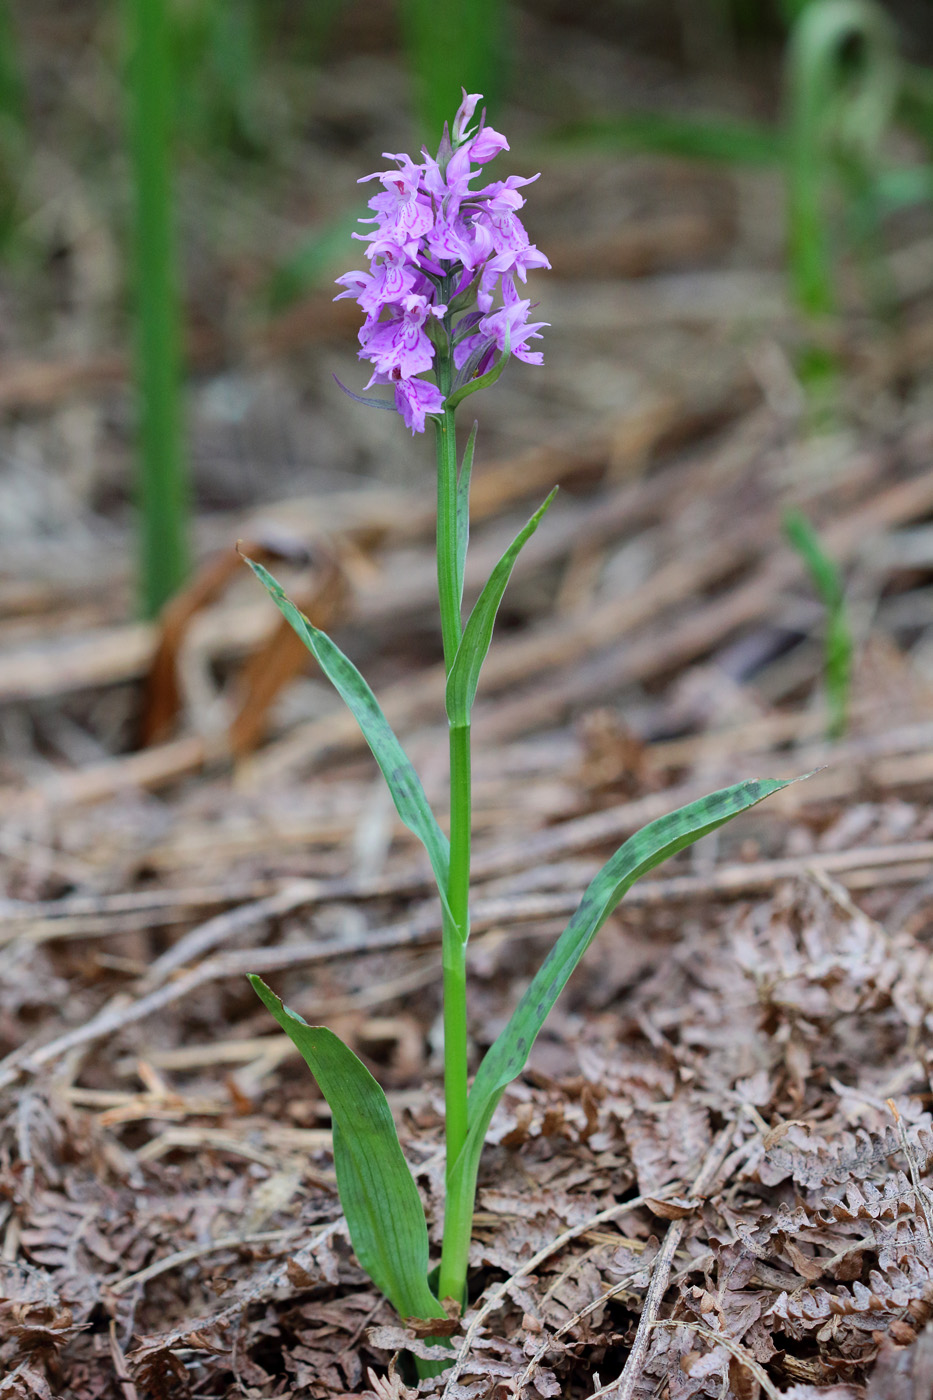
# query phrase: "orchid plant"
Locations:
[[443, 315]]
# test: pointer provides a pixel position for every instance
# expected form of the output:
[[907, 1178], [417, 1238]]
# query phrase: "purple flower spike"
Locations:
[[439, 249]]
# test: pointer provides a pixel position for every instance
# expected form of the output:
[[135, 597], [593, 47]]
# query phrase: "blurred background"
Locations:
[[178, 184], [737, 200]]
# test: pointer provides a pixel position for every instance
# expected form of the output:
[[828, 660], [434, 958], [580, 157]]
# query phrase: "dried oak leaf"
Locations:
[[672, 1207], [433, 1326], [25, 1285], [737, 1306]]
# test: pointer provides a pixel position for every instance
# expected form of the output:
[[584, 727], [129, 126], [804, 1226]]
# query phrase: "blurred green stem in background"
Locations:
[[842, 82], [454, 44], [12, 122], [842, 89], [827, 580], [216, 58], [163, 487]]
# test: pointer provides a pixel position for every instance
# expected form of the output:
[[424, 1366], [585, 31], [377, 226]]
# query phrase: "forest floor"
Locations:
[[724, 1129]]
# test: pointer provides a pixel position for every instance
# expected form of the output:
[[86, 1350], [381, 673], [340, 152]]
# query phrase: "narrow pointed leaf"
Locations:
[[474, 644], [463, 508], [377, 1191], [655, 843], [398, 771], [370, 400]]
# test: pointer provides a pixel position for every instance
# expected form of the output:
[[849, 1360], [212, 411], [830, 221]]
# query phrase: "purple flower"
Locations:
[[403, 212], [437, 247], [400, 342], [509, 323], [512, 317], [486, 143], [414, 398]]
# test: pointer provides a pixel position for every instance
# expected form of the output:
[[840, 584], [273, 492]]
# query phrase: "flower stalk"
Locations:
[[456, 914]]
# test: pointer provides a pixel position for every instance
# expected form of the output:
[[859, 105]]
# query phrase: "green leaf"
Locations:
[[648, 848], [398, 771], [463, 508], [474, 644], [377, 1191]]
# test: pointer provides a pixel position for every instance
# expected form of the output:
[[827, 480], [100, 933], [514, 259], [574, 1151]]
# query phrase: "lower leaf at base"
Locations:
[[377, 1190]]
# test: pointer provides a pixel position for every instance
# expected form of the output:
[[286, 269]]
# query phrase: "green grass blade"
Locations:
[[838, 647], [12, 85], [397, 769], [823, 571], [463, 508], [377, 1191], [477, 635], [904, 186], [648, 848]]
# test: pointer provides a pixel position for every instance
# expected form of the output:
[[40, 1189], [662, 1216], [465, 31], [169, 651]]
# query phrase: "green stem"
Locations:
[[456, 934], [456, 931], [447, 587], [458, 892], [163, 494]]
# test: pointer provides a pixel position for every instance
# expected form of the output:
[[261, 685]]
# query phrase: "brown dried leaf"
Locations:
[[25, 1383], [390, 1387], [903, 1372], [673, 1207], [669, 1143], [158, 1372], [389, 1337]]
